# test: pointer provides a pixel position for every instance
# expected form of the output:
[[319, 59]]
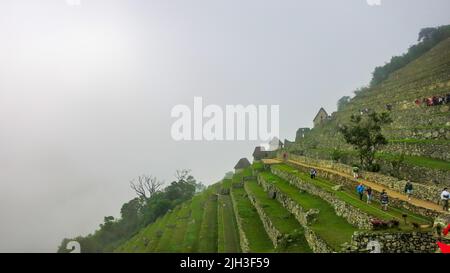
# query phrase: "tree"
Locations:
[[146, 185], [342, 102], [426, 33], [364, 133]]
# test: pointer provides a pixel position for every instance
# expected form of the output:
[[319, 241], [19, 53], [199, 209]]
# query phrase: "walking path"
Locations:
[[377, 187]]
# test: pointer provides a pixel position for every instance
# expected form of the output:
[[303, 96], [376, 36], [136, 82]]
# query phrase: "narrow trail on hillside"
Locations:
[[377, 187]]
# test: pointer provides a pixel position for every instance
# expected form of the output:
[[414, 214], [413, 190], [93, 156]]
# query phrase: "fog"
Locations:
[[86, 91]]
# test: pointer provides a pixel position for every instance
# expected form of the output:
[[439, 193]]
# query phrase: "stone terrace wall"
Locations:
[[425, 192], [394, 242], [274, 234], [245, 247], [432, 150], [353, 215], [426, 176], [305, 218]]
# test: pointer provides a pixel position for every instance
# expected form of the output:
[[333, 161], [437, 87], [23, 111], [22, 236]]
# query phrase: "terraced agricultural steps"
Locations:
[[268, 211]]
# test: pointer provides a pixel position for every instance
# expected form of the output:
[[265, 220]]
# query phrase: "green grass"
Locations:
[[283, 220], [190, 242], [164, 242], [420, 141], [420, 161], [257, 166], [251, 224], [175, 244], [147, 239], [350, 197], [333, 229], [208, 232], [228, 241], [426, 162]]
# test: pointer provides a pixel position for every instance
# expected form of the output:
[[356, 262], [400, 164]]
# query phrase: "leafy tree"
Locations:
[[151, 203], [364, 133]]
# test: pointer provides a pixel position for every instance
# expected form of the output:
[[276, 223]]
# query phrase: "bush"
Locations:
[[336, 155]]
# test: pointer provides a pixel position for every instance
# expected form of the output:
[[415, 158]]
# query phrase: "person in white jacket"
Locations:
[[445, 196]]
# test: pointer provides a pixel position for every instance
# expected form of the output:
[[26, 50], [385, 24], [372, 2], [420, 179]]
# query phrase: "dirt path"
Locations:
[[377, 187]]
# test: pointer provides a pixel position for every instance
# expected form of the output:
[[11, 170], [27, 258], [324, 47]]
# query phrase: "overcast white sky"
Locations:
[[86, 91]]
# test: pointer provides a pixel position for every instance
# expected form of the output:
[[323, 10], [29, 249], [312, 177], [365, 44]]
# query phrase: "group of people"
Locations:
[[434, 100], [384, 198], [409, 188], [362, 190]]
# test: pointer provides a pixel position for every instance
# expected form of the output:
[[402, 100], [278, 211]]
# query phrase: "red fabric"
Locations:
[[446, 230], [444, 248]]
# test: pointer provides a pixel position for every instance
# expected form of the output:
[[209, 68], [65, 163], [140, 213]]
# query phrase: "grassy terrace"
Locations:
[[351, 198], [176, 241], [228, 240], [151, 234], [208, 231], [257, 237], [190, 242], [283, 221], [168, 231], [333, 229], [421, 161]]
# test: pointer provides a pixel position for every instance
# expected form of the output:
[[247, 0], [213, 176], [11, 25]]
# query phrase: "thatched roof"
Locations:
[[242, 164]]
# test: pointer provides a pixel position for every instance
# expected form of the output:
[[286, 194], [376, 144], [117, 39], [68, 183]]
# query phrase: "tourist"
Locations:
[[313, 173], [409, 189], [384, 199], [355, 172], [369, 195], [435, 100], [445, 196], [360, 190]]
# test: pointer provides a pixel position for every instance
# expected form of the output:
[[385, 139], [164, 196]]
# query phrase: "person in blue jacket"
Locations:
[[360, 190]]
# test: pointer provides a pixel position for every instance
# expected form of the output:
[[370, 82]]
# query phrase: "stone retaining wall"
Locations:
[[421, 191], [274, 234], [305, 218], [393, 242], [245, 246], [426, 176], [353, 215]]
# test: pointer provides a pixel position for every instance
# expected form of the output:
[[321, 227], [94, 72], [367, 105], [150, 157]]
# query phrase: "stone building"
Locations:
[[321, 116], [301, 133], [241, 165]]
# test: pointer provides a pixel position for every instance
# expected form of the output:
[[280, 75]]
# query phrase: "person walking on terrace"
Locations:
[[445, 196], [356, 172], [313, 173], [369, 195], [360, 190], [384, 199], [409, 189]]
